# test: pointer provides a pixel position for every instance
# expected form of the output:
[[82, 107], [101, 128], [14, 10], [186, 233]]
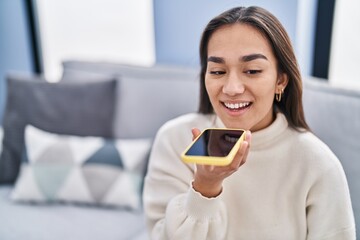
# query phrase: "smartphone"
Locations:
[[214, 146]]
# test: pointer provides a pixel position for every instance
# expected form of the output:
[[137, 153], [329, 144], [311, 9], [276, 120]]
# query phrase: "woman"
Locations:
[[284, 183]]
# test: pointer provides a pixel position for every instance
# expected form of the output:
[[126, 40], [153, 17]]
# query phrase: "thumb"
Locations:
[[195, 132]]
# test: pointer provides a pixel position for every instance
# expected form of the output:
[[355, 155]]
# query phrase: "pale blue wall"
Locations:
[[179, 24], [15, 51]]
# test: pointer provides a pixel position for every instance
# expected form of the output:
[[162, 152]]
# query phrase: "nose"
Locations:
[[233, 85]]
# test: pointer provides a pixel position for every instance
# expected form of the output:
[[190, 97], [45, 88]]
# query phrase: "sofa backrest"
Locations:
[[334, 116], [147, 97]]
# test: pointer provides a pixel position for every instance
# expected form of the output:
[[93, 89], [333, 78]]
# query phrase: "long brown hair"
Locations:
[[291, 103]]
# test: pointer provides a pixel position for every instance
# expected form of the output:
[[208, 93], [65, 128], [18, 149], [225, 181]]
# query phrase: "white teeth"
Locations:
[[237, 105]]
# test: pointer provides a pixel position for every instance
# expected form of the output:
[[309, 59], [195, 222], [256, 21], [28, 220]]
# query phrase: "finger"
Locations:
[[246, 146], [239, 158], [248, 137], [195, 132], [243, 151], [209, 168]]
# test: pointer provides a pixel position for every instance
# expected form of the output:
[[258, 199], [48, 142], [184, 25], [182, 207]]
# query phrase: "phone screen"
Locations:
[[215, 143]]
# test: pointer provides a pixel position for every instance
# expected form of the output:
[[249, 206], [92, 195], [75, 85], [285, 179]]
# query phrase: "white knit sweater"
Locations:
[[291, 187]]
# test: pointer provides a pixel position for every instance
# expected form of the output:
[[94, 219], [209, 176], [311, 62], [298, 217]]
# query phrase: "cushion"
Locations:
[[90, 170], [67, 221], [78, 108], [150, 103]]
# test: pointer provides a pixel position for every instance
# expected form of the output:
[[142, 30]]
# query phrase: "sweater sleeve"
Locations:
[[173, 209], [329, 211]]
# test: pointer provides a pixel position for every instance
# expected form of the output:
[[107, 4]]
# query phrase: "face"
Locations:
[[242, 78]]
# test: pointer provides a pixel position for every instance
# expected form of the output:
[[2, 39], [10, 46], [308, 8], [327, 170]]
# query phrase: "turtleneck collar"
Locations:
[[266, 135]]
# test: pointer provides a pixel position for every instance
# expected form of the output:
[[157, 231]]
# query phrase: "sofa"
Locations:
[[115, 110], [333, 114], [92, 101]]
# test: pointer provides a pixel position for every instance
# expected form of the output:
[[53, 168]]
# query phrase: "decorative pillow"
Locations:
[[73, 169], [74, 108]]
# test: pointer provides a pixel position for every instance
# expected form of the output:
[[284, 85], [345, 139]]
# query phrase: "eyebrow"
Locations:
[[216, 59], [246, 58], [251, 57]]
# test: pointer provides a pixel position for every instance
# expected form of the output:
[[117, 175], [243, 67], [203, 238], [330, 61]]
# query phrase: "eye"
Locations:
[[217, 72], [252, 72]]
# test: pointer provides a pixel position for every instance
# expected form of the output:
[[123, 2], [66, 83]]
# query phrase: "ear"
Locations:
[[282, 82]]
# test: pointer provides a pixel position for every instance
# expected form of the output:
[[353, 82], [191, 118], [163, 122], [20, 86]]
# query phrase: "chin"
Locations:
[[238, 125]]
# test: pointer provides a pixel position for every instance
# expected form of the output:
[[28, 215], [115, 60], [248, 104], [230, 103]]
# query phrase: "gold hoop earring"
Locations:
[[279, 95]]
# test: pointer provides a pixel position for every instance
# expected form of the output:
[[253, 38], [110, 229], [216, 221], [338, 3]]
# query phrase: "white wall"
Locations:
[[99, 30], [345, 46]]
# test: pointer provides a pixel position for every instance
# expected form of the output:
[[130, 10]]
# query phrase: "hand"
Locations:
[[208, 179]]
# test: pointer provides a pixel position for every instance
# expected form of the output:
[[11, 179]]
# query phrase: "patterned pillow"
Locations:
[[91, 170]]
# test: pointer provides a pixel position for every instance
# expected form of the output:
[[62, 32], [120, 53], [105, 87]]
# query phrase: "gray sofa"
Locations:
[[334, 116], [144, 99]]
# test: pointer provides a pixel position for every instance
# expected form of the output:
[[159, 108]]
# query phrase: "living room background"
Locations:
[[156, 31]]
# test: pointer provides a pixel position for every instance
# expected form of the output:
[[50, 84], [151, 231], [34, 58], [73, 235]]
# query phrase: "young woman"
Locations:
[[284, 183]]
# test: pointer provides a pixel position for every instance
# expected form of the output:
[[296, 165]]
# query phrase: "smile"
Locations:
[[237, 106]]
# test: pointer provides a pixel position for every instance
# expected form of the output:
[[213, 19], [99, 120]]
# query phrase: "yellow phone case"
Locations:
[[213, 160]]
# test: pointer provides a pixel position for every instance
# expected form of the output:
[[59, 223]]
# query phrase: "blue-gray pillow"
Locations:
[[83, 108]]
